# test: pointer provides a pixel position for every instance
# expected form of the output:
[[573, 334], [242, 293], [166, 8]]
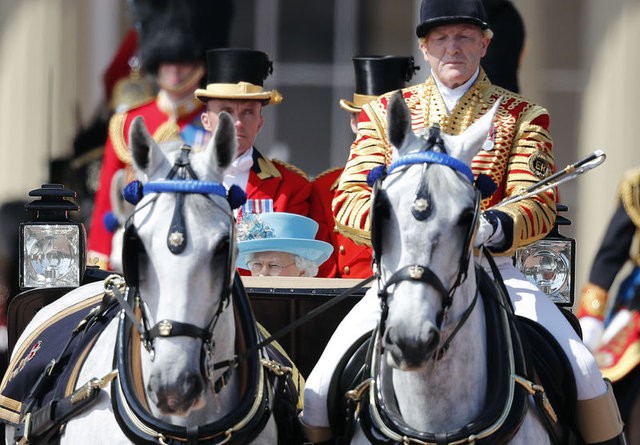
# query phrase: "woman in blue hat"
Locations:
[[280, 244]]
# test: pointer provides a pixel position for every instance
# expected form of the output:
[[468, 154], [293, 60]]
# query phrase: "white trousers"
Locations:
[[528, 301]]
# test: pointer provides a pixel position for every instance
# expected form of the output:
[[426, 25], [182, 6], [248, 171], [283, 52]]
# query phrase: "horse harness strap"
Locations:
[[41, 425], [41, 419], [240, 426], [504, 410]]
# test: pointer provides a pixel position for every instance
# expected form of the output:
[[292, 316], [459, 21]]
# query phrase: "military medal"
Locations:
[[489, 143]]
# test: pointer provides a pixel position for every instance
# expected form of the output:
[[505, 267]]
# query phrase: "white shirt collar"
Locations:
[[238, 172], [451, 96]]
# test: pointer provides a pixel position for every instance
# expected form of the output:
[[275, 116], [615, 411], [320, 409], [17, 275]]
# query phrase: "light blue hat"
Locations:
[[281, 232]]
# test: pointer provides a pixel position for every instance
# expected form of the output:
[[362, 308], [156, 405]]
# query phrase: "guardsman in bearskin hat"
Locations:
[[173, 37], [235, 84], [453, 37], [374, 75], [504, 55], [612, 328]]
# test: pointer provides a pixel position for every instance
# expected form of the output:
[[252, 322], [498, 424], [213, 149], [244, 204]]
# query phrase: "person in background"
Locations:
[[504, 55], [374, 75], [172, 38], [454, 36], [280, 244], [235, 79], [612, 328]]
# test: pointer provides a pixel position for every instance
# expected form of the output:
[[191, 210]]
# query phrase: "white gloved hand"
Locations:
[[488, 234], [592, 330]]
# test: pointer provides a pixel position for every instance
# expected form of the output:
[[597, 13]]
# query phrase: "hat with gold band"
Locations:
[[238, 73], [376, 75]]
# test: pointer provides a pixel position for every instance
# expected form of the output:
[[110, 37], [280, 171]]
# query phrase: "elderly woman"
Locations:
[[280, 244]]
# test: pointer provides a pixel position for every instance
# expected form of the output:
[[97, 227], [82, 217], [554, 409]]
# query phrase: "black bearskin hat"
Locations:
[[179, 30]]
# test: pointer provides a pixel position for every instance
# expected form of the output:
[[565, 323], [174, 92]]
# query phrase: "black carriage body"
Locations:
[[276, 303]]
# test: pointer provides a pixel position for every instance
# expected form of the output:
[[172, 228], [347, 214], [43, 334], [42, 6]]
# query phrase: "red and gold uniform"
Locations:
[[516, 155], [349, 260], [163, 125]]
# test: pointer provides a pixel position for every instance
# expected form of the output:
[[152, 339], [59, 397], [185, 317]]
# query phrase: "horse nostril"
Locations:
[[390, 337], [192, 386]]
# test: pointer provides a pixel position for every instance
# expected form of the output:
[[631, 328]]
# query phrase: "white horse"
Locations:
[[429, 380], [186, 372]]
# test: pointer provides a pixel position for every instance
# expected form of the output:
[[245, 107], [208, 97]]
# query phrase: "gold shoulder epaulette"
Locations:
[[327, 172], [630, 194], [291, 167], [116, 134]]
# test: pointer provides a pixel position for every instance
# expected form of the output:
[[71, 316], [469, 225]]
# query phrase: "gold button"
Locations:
[[341, 249], [346, 270], [335, 229]]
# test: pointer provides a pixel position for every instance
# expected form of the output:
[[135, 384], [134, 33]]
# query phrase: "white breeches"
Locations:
[[528, 302]]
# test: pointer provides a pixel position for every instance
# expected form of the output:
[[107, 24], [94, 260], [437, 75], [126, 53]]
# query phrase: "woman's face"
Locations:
[[273, 264]]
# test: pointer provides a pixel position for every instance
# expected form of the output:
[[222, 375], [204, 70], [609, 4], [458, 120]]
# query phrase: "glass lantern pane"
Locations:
[[547, 264], [50, 255]]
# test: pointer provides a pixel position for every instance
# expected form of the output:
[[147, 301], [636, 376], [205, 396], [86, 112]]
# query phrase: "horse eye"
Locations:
[[222, 247], [466, 217]]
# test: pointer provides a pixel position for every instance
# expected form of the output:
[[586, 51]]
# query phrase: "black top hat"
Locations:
[[237, 73], [443, 12], [179, 30], [376, 75]]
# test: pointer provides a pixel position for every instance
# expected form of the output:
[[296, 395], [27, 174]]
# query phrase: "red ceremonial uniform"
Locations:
[[349, 260], [163, 126], [285, 185], [516, 154]]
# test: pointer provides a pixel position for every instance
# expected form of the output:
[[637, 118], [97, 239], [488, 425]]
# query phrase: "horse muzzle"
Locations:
[[179, 397], [410, 350]]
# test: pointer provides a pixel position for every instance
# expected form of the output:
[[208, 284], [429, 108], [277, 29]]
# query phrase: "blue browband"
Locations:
[[432, 157], [180, 186]]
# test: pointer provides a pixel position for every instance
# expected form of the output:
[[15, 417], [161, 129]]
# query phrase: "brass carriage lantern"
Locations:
[[549, 263], [52, 247]]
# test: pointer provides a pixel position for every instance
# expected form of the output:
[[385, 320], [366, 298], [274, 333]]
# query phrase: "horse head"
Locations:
[[179, 252], [424, 214]]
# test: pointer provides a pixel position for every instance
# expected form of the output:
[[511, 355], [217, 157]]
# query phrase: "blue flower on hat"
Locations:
[[252, 227]]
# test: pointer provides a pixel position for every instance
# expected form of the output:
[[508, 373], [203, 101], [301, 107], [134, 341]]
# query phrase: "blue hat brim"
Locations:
[[311, 249]]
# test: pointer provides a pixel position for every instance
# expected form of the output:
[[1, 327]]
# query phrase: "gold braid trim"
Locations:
[[630, 194], [167, 131], [291, 167], [357, 236], [116, 133], [593, 301]]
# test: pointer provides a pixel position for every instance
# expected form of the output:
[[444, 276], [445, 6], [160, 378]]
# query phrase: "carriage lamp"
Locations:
[[52, 247], [549, 263]]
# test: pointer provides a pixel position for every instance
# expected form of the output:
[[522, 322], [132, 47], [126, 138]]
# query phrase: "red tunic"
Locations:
[[116, 156], [286, 185], [349, 260]]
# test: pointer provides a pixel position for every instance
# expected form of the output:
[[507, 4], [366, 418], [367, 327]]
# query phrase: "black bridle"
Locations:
[[180, 181], [421, 209]]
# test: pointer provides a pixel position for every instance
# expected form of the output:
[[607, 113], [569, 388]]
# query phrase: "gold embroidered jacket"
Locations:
[[520, 155]]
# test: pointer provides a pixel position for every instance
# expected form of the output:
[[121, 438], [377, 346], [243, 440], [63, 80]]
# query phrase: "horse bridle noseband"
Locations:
[[420, 211]]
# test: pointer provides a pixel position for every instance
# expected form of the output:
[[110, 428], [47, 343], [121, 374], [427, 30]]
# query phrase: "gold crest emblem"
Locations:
[[539, 165]]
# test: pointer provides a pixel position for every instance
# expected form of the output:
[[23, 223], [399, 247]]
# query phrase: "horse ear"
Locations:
[[398, 120], [119, 206], [145, 152], [223, 145], [467, 144]]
